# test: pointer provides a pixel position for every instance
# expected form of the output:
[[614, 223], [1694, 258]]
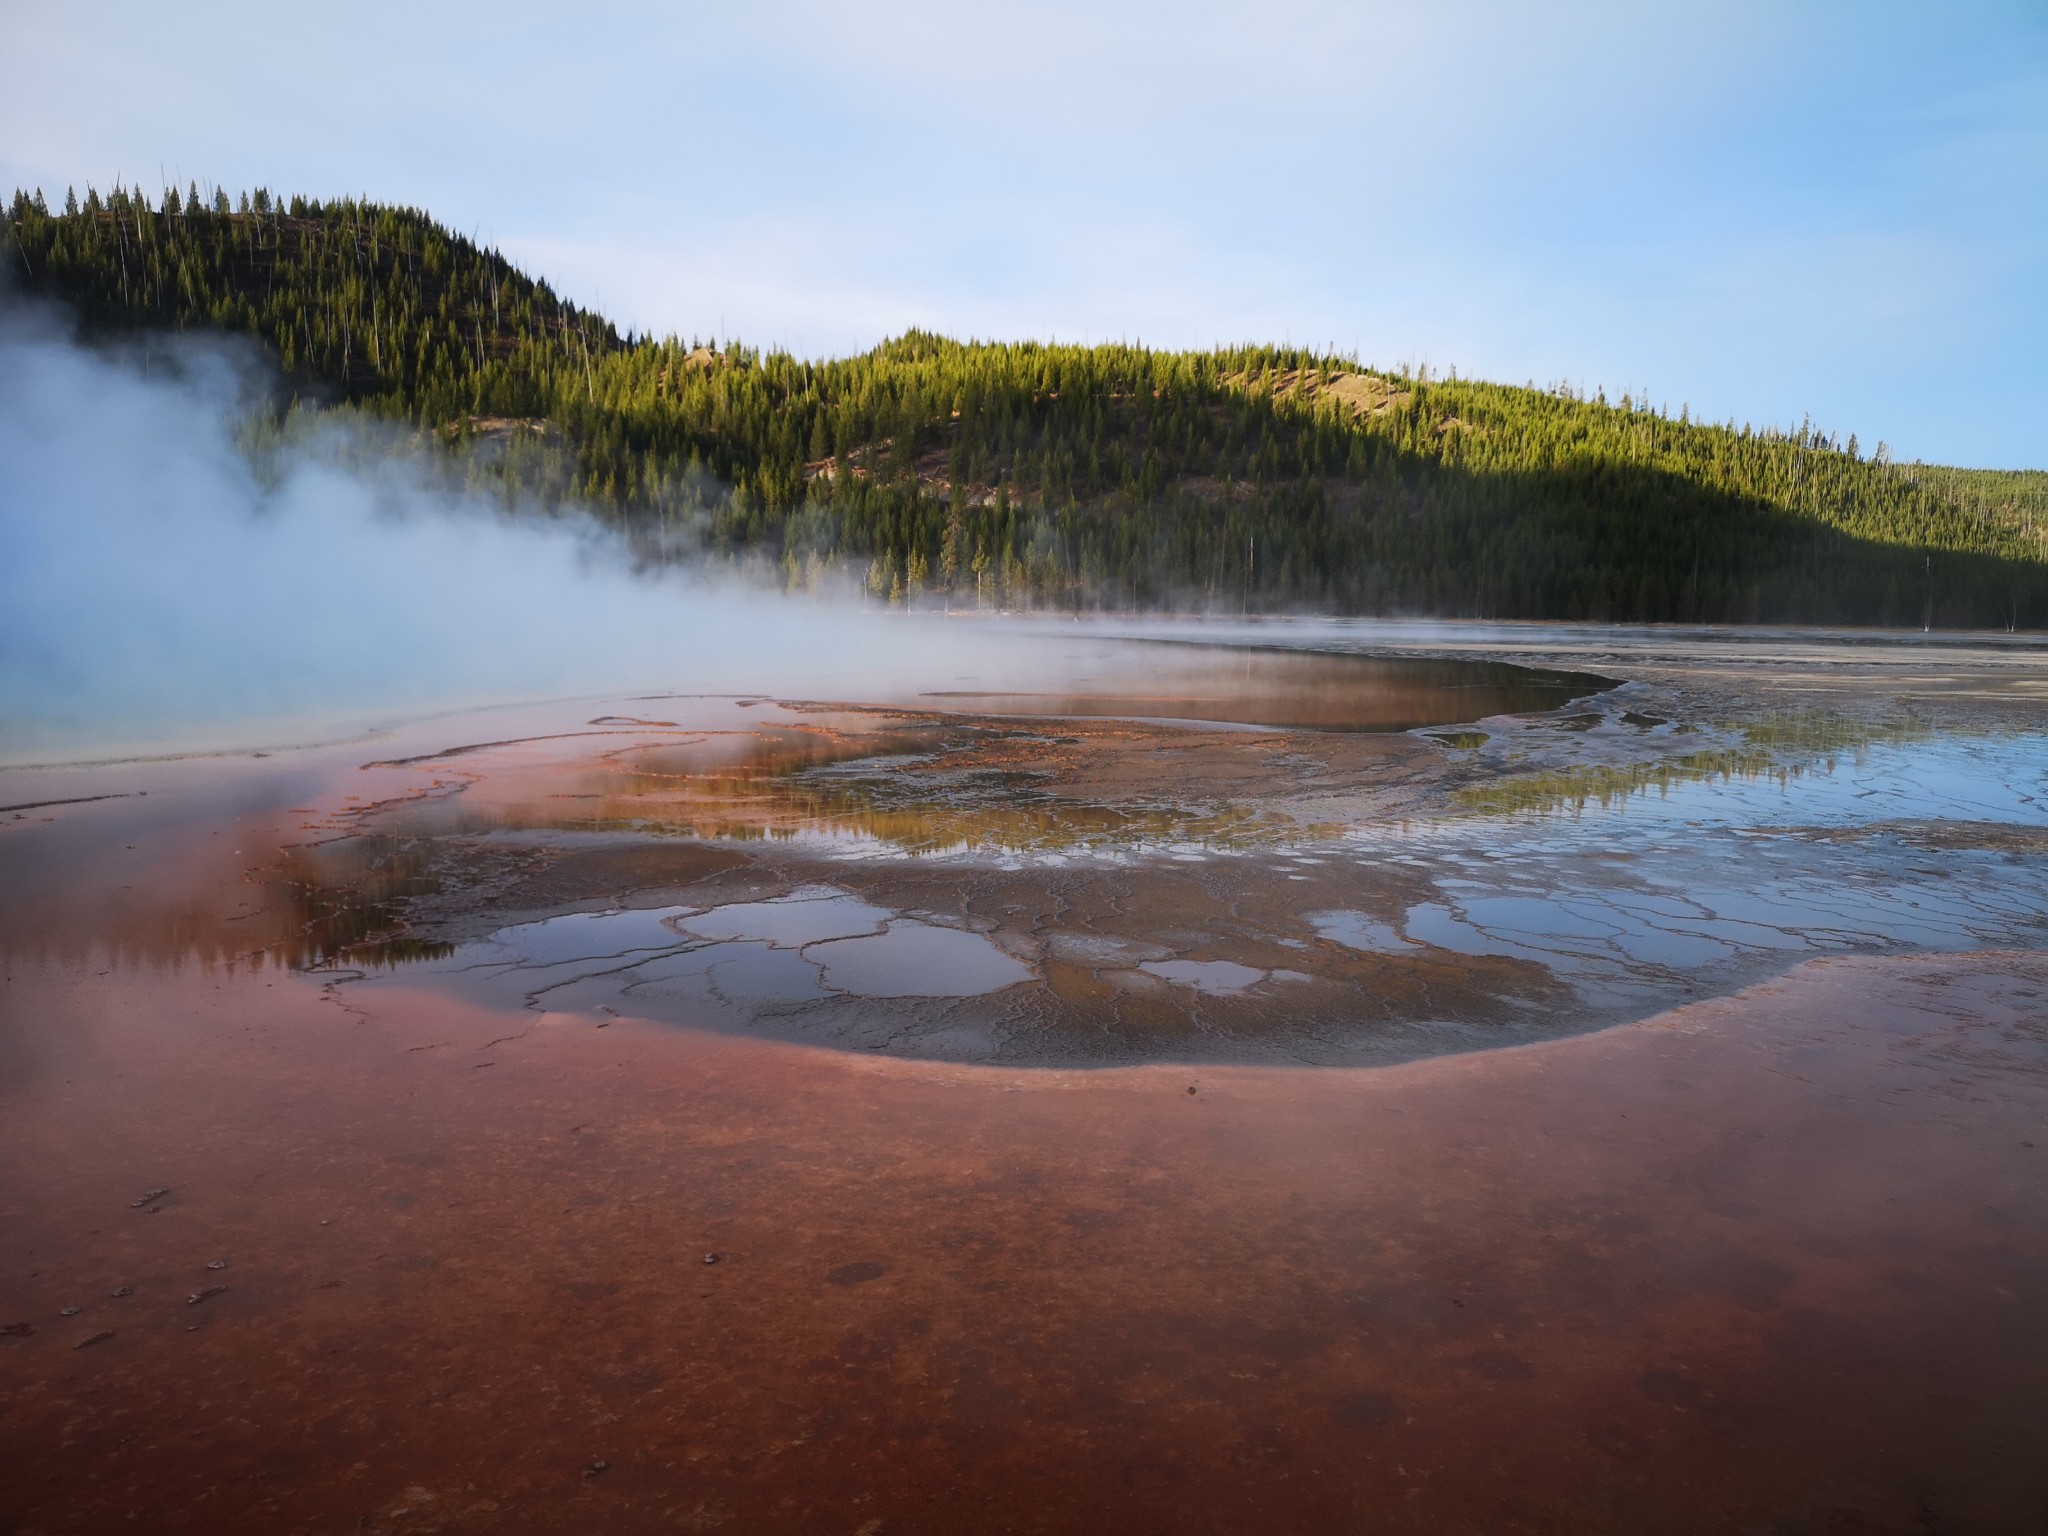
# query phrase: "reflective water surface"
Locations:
[[1108, 888], [667, 1113], [1664, 861], [1288, 690]]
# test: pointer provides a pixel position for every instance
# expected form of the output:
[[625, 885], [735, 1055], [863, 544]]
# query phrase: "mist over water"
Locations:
[[157, 592]]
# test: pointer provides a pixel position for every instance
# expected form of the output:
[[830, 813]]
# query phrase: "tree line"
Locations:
[[1252, 478]]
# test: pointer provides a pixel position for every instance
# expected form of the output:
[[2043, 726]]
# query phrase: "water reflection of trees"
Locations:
[[347, 903], [312, 906], [1779, 748]]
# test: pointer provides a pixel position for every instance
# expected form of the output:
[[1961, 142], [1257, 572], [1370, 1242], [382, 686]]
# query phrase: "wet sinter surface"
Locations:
[[1100, 890], [460, 1051], [1767, 1264], [1132, 890]]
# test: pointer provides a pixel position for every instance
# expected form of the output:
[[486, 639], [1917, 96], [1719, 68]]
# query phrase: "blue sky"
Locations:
[[1756, 210]]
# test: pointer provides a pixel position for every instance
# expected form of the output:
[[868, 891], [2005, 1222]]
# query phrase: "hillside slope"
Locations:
[[1248, 478]]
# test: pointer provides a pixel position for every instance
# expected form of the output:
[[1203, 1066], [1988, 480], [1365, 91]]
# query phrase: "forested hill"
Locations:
[[1254, 478]]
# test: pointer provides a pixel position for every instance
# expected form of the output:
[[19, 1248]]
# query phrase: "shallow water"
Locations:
[[447, 1046], [803, 917], [1990, 776], [912, 959], [1286, 690], [1611, 859], [1715, 855], [1646, 895]]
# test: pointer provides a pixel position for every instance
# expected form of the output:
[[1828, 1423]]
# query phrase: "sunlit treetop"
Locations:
[[1245, 478]]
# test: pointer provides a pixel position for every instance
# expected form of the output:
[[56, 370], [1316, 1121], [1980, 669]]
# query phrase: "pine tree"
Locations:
[[1062, 474]]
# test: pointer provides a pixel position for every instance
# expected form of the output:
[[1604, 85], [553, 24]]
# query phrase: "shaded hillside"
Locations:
[[1247, 478]]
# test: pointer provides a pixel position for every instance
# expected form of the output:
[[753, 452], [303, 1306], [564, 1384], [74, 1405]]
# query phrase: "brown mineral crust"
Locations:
[[1761, 1263]]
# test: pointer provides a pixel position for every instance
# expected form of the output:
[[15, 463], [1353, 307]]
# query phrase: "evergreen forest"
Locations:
[[1012, 474]]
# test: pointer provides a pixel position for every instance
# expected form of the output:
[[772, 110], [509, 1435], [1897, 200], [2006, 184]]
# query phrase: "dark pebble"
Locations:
[[151, 1198], [198, 1296], [122, 1290], [596, 1470], [71, 1312], [217, 1264], [97, 1338]]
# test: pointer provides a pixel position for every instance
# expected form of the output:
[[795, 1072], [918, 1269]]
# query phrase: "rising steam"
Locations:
[[156, 590]]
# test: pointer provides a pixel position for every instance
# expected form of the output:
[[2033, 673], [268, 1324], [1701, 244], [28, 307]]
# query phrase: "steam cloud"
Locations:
[[155, 591]]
